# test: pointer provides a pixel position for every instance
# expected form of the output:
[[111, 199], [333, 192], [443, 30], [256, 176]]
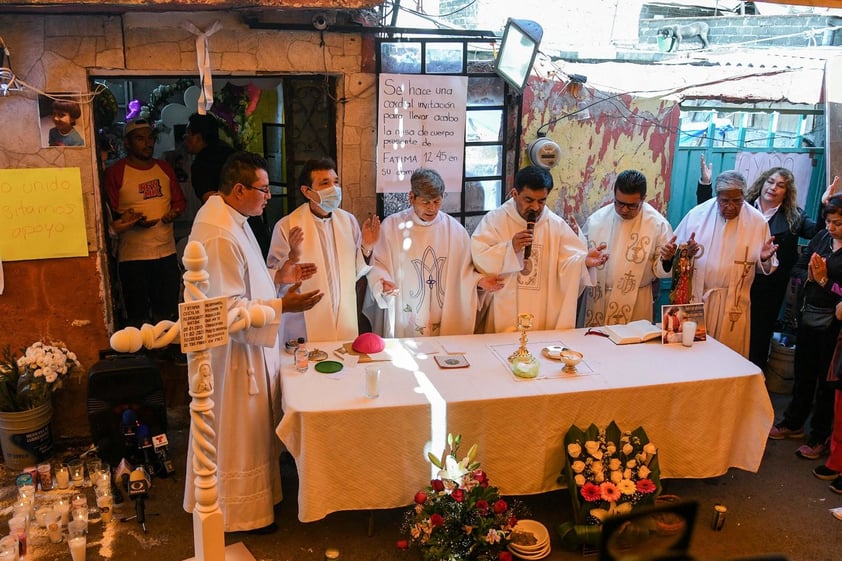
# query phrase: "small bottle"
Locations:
[[302, 356]]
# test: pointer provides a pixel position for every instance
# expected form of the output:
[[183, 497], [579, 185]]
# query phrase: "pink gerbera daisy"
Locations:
[[646, 486], [609, 491], [591, 492]]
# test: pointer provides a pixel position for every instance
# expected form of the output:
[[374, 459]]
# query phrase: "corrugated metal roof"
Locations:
[[744, 75]]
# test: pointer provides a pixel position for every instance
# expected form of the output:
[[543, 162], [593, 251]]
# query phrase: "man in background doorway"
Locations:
[[202, 139], [144, 197]]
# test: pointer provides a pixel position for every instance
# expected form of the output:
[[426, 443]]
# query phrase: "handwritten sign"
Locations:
[[752, 164], [41, 214], [204, 324], [421, 123]]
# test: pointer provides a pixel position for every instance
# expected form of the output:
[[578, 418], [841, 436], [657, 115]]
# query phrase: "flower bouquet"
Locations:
[[29, 381], [608, 473], [459, 516]]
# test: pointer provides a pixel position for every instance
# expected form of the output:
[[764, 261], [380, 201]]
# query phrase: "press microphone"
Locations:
[[160, 443], [129, 429], [530, 227], [144, 444], [138, 488]]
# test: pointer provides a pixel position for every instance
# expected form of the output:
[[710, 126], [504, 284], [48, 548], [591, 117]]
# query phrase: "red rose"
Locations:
[[420, 497], [482, 506], [512, 522], [500, 506], [437, 485], [403, 544], [481, 478], [504, 556], [458, 495], [436, 520]]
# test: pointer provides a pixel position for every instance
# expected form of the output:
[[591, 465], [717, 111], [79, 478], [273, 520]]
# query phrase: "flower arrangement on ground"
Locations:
[[609, 472], [459, 516], [29, 381]]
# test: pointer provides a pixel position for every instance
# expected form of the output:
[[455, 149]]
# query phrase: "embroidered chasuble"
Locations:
[[547, 286], [725, 267], [430, 263], [246, 374], [627, 283], [333, 244]]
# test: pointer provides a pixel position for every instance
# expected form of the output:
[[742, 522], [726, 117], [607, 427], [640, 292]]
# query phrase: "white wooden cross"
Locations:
[[208, 529]]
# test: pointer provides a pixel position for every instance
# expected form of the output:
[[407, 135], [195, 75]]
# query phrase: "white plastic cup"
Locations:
[[372, 381], [77, 544], [688, 333]]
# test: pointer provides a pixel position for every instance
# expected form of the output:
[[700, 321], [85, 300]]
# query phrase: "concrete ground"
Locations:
[[783, 509]]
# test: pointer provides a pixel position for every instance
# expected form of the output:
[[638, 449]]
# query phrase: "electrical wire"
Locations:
[[448, 14]]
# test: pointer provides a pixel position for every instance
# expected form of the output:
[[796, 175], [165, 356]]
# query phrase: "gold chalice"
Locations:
[[524, 322], [570, 358]]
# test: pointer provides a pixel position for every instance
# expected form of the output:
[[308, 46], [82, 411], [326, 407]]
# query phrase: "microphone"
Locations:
[[144, 444], [530, 227], [160, 443], [129, 428], [138, 488]]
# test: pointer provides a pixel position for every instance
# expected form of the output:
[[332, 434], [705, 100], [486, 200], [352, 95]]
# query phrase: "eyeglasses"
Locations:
[[263, 188], [627, 206], [729, 202]]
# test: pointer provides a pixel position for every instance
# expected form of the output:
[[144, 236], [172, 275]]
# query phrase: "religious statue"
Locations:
[[682, 276]]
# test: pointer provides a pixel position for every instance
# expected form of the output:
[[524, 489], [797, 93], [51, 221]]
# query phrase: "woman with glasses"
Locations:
[[730, 242]]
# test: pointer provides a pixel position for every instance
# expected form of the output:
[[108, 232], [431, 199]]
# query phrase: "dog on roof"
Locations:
[[677, 33]]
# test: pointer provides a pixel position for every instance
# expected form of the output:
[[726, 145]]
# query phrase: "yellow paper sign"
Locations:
[[42, 215]]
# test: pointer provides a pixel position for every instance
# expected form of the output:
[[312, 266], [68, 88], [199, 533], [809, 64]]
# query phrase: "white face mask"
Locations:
[[330, 198]]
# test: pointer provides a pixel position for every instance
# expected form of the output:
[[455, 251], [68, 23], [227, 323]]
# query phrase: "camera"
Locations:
[[320, 22]]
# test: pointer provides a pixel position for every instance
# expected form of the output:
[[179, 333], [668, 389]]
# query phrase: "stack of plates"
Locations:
[[537, 550]]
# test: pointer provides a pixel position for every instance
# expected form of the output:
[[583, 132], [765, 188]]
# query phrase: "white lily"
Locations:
[[454, 470]]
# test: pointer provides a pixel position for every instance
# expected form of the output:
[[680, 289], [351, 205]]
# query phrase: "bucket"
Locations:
[[780, 368], [26, 436]]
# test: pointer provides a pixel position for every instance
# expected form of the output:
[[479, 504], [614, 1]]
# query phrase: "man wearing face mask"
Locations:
[[333, 241]]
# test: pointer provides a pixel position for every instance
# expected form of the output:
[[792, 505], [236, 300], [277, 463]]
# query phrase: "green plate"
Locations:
[[328, 366]]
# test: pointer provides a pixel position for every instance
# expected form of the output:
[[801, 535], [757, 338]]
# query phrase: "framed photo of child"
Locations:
[[60, 119]]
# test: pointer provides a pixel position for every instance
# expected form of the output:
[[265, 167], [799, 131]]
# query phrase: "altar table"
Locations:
[[705, 407]]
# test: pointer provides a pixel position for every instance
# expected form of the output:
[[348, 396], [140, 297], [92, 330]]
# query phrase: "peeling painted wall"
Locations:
[[600, 134]]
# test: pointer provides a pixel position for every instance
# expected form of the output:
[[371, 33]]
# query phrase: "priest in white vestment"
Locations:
[[333, 241], [246, 371], [731, 241], [633, 233], [548, 283], [423, 280]]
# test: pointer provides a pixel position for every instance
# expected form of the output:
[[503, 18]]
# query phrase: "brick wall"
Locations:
[[775, 31]]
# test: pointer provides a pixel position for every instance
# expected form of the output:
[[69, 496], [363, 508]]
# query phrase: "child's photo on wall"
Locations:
[[61, 120]]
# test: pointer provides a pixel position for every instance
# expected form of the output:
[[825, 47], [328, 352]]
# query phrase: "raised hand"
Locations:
[[706, 173], [296, 239], [769, 249], [293, 301], [668, 249], [291, 272], [596, 257], [831, 190], [371, 231]]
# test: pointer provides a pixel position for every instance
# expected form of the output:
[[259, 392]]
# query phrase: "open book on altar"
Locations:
[[638, 331]]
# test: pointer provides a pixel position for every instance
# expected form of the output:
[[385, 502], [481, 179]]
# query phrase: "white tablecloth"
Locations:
[[706, 409]]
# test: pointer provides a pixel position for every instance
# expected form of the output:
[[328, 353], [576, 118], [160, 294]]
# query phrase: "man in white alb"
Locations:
[[423, 280], [731, 241], [334, 242], [548, 283], [633, 233]]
